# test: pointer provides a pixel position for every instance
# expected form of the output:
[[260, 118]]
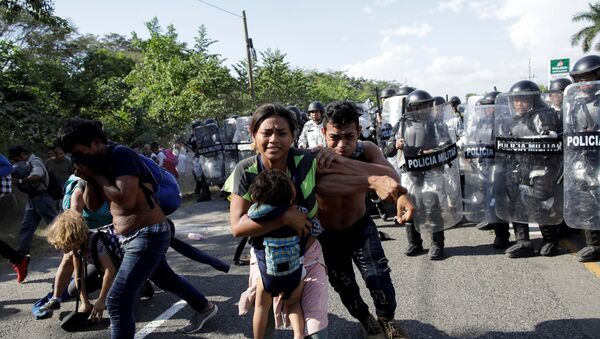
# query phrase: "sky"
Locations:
[[449, 47]]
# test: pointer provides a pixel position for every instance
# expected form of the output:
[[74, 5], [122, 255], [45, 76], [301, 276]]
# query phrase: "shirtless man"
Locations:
[[116, 174], [350, 233]]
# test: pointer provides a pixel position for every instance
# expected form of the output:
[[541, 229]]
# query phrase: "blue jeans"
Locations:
[[38, 207], [359, 243], [145, 258]]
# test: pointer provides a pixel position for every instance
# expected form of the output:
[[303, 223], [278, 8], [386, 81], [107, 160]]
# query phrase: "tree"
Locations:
[[586, 35], [172, 85]]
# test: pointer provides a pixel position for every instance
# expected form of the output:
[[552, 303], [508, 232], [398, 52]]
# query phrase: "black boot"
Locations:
[[484, 226], [592, 251], [550, 236], [501, 241], [523, 248], [415, 242], [436, 252]]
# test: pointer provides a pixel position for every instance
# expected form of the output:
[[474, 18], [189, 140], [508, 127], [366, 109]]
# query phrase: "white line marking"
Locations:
[[154, 324]]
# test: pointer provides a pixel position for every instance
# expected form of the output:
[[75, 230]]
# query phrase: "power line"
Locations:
[[219, 8]]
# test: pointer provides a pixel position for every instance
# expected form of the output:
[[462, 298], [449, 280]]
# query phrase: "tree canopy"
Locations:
[[142, 90]]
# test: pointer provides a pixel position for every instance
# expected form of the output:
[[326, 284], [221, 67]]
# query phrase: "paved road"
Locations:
[[477, 292]]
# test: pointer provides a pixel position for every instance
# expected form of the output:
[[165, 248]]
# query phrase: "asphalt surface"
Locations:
[[477, 292]]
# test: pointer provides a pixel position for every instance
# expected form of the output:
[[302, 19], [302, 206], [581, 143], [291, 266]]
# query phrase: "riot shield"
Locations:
[[230, 151], [528, 176], [210, 153], [243, 138], [430, 170], [581, 107], [478, 150], [392, 110]]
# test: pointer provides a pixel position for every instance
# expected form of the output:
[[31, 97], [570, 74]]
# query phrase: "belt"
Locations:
[[153, 228]]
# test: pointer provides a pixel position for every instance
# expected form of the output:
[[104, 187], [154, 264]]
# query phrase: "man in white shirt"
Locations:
[[312, 133]]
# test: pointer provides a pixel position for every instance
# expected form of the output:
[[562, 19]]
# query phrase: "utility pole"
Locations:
[[248, 56]]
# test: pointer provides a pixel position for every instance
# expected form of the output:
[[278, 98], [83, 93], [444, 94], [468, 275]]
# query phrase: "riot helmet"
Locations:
[[405, 90], [525, 96], [388, 92], [488, 99], [197, 123], [524, 87], [316, 106], [315, 110], [559, 85], [210, 121], [418, 99], [586, 69], [455, 101], [438, 100]]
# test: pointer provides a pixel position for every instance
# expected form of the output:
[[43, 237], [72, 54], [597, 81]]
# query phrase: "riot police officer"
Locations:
[[581, 166], [479, 176], [312, 132], [528, 180], [556, 89], [431, 182], [387, 93], [201, 190]]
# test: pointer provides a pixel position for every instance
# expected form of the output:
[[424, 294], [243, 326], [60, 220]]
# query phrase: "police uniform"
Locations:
[[312, 135]]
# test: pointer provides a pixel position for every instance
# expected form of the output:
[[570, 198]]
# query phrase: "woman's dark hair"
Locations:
[[80, 131], [272, 187], [341, 113], [270, 110]]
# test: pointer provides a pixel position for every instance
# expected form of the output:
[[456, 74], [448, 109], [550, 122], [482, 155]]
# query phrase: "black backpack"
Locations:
[[54, 188]]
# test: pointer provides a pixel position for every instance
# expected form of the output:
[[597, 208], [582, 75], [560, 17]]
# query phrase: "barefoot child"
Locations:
[[280, 252]]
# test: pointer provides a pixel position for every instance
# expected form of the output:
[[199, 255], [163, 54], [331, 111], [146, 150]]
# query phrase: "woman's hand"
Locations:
[[298, 221], [98, 310], [328, 156]]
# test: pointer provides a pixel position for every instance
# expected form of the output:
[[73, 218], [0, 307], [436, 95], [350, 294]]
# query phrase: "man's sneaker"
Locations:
[[390, 330], [588, 253], [51, 305], [549, 249], [199, 319], [413, 250], [21, 268], [521, 249], [371, 328]]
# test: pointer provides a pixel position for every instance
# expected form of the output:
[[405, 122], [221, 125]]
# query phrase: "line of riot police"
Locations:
[[519, 164]]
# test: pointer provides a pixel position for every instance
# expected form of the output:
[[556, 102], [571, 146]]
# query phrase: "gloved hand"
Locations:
[[543, 187]]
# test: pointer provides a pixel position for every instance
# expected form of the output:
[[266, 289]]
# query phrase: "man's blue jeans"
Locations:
[[38, 207], [145, 258], [359, 244]]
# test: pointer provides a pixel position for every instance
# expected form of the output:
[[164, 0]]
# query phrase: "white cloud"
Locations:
[[368, 9], [420, 30], [452, 5], [532, 29]]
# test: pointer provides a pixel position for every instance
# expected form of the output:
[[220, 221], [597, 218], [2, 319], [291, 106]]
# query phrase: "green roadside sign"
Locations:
[[559, 66]]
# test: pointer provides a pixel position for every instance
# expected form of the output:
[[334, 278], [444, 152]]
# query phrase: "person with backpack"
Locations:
[[69, 233], [32, 178], [127, 182]]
